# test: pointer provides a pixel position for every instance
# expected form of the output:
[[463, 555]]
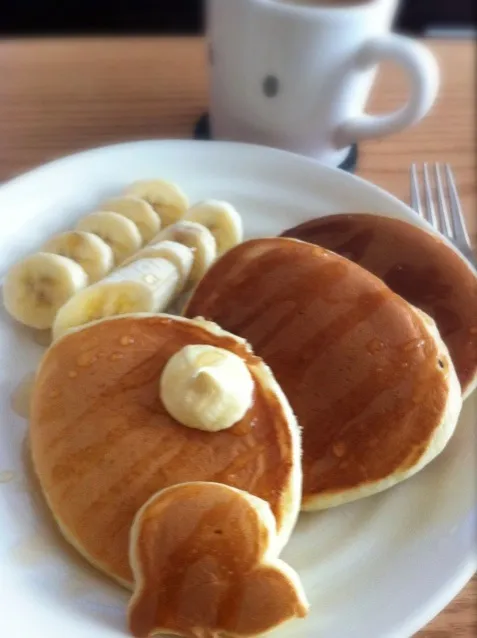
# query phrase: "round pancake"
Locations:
[[416, 265], [102, 442], [369, 378]]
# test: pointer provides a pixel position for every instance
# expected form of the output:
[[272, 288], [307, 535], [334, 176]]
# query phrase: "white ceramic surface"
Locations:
[[377, 568], [298, 77]]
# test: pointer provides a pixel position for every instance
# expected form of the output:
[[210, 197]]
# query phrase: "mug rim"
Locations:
[[288, 6]]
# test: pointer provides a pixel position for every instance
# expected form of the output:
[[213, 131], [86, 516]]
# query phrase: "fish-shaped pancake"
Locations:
[[205, 565]]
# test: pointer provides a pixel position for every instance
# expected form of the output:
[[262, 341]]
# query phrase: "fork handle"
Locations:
[[421, 67]]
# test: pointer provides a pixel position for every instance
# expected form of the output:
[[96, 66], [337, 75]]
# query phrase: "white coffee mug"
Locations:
[[297, 75]]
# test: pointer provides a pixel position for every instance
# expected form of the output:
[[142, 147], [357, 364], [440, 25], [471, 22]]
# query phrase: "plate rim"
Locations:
[[448, 590], [411, 216], [15, 180]]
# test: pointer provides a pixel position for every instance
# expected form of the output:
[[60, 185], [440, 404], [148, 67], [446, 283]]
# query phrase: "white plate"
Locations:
[[381, 567]]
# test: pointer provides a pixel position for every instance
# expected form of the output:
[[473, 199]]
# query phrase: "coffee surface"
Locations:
[[322, 3]]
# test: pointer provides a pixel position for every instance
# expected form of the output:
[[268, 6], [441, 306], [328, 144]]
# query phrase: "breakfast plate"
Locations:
[[380, 567]]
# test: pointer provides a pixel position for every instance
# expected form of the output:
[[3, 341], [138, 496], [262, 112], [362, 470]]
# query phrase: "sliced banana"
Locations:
[[147, 285], [120, 233], [35, 288], [196, 237], [138, 211], [88, 250], [167, 199], [221, 219], [178, 254]]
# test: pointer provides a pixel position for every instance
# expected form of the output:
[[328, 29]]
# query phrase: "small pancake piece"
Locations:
[[369, 379], [417, 265], [103, 443], [204, 557]]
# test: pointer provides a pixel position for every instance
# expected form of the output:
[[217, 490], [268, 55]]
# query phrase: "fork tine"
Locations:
[[430, 210], [460, 230], [415, 195], [443, 209]]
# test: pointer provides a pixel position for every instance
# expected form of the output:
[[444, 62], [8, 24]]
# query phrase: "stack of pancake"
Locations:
[[175, 512], [367, 374]]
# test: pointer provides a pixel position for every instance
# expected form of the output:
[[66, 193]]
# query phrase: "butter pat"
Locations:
[[206, 388]]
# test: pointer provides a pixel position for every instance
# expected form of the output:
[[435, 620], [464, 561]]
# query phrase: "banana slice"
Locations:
[[147, 285], [35, 288], [221, 219], [88, 250], [167, 199], [120, 233], [178, 254], [138, 211], [196, 237]]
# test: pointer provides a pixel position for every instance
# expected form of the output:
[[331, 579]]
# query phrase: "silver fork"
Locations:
[[442, 207]]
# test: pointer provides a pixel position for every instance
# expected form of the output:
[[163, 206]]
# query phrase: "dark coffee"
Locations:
[[322, 3]]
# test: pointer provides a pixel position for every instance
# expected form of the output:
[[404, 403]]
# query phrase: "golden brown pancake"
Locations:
[[369, 379], [415, 264], [102, 442], [205, 564]]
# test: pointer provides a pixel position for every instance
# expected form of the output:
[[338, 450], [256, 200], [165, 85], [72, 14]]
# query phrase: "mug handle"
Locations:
[[423, 71]]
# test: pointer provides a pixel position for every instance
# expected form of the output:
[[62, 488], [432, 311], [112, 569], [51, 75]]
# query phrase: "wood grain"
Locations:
[[447, 134], [59, 96]]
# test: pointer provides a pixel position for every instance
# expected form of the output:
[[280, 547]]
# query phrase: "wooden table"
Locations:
[[59, 96]]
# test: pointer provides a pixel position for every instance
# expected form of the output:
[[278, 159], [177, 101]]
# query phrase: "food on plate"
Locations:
[[103, 442], [113, 237], [221, 219], [138, 211], [167, 199], [120, 233], [35, 288], [181, 256], [206, 387], [417, 265], [146, 285], [205, 563], [88, 250], [367, 375], [196, 237]]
